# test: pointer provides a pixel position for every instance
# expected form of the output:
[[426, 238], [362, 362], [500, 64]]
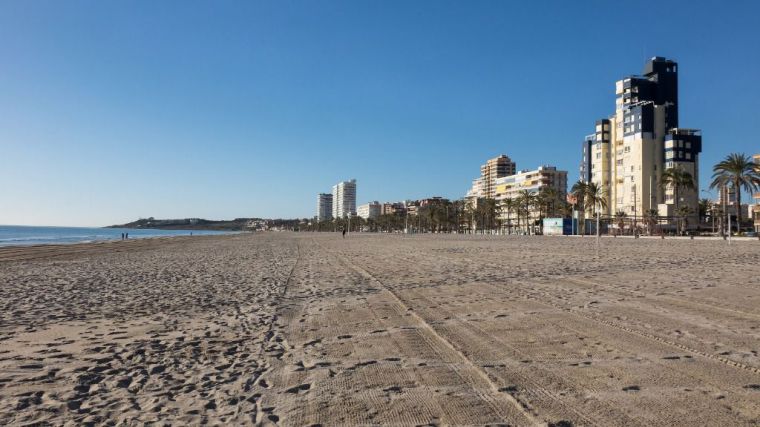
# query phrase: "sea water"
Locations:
[[31, 235]]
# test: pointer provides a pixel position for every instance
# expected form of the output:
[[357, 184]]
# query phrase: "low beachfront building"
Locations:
[[390, 208], [370, 210], [510, 187], [534, 181]]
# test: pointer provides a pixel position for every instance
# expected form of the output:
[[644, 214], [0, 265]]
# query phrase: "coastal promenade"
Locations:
[[310, 328]]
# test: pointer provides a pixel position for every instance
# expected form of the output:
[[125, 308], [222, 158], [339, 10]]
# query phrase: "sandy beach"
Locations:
[[307, 329]]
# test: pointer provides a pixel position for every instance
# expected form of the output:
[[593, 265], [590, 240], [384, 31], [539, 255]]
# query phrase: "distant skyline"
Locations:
[[114, 111]]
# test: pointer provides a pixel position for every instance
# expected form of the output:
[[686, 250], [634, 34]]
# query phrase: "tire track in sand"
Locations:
[[493, 399]]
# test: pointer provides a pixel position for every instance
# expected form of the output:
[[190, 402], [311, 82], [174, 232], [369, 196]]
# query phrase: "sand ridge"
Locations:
[[310, 328]]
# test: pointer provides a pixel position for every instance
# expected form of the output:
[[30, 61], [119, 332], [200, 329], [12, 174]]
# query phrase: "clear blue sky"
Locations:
[[110, 111]]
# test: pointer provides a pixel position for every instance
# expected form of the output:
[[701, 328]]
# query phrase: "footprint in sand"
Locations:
[[299, 389]]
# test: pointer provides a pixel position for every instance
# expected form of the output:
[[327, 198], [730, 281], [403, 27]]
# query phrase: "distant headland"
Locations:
[[237, 224]]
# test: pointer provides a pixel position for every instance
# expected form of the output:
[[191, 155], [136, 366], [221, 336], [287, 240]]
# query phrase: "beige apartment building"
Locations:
[[510, 186], [369, 210], [535, 181], [498, 167], [628, 151], [390, 208]]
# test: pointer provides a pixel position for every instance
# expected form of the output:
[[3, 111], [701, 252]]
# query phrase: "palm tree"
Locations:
[[526, 199], [738, 170], [678, 179], [487, 207], [470, 211], [595, 196], [683, 213], [484, 212], [508, 205], [620, 216], [549, 197], [456, 210], [518, 210], [651, 216], [579, 193], [433, 211], [546, 200]]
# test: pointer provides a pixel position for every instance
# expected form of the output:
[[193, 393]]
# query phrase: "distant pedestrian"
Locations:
[[126, 236], [344, 233], [122, 236]]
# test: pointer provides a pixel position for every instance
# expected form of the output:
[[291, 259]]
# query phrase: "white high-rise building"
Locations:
[[324, 207], [344, 199]]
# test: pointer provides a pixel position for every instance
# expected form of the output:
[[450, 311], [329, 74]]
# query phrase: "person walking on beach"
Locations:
[[126, 236], [122, 236]]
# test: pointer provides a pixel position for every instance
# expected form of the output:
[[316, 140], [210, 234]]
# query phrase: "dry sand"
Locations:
[[301, 329]]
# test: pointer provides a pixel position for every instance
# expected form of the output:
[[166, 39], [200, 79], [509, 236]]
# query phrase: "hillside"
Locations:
[[236, 224]]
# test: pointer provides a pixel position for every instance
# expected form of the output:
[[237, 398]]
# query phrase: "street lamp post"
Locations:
[[572, 220], [724, 200], [635, 228], [598, 231]]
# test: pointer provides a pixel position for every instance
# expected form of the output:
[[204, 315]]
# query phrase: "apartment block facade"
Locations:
[[324, 207], [389, 208], [369, 210], [630, 149], [344, 199], [535, 181], [493, 169], [587, 148], [510, 186]]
